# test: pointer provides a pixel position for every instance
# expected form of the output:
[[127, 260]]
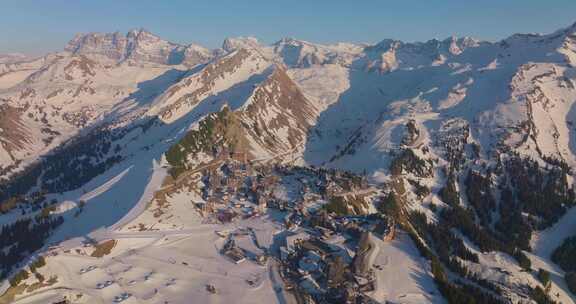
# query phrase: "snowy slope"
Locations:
[[66, 95], [13, 58], [499, 88], [129, 98]]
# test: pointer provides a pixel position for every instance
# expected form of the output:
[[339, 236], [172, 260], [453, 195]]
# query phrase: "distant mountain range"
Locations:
[[12, 57]]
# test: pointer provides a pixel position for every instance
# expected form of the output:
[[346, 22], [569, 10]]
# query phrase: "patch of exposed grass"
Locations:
[[10, 294], [41, 284], [104, 248]]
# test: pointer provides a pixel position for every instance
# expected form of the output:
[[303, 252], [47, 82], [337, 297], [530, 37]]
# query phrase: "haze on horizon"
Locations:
[[35, 27]]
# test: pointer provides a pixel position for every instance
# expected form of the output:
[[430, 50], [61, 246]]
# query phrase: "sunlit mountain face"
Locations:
[[138, 170]]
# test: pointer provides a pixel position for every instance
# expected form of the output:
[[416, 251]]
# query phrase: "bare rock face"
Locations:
[[195, 54], [303, 54], [277, 114], [389, 55], [137, 46], [232, 44], [14, 135], [111, 45], [144, 46]]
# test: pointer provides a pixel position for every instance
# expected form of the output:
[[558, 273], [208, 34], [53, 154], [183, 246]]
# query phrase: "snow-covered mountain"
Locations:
[[13, 57], [444, 126], [138, 46]]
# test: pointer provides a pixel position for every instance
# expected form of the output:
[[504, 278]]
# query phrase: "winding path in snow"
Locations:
[[543, 243], [158, 175]]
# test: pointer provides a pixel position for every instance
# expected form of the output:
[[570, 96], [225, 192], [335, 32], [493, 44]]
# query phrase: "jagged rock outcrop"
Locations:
[[303, 54], [137, 46], [277, 114], [389, 55], [235, 43]]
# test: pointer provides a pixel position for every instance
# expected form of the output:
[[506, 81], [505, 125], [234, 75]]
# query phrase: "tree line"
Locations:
[[23, 237]]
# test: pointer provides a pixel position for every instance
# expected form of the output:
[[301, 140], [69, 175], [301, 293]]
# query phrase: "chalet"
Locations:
[[292, 241], [309, 263], [261, 259], [226, 216], [233, 252], [236, 255]]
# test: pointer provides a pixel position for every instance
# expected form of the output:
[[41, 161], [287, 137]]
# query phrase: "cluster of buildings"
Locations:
[[333, 270], [324, 257], [237, 253], [233, 252], [235, 188]]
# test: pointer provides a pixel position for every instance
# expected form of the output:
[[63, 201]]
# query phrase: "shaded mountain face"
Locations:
[[476, 136]]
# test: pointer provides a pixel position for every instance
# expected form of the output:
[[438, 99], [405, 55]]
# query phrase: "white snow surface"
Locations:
[[405, 276], [366, 95]]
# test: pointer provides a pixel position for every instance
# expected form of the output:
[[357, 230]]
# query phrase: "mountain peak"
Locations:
[[137, 31], [13, 57], [288, 40], [109, 45], [138, 45], [571, 30], [234, 43], [142, 33], [456, 45], [384, 45]]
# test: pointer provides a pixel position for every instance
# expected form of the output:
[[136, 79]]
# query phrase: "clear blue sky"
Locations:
[[38, 26]]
